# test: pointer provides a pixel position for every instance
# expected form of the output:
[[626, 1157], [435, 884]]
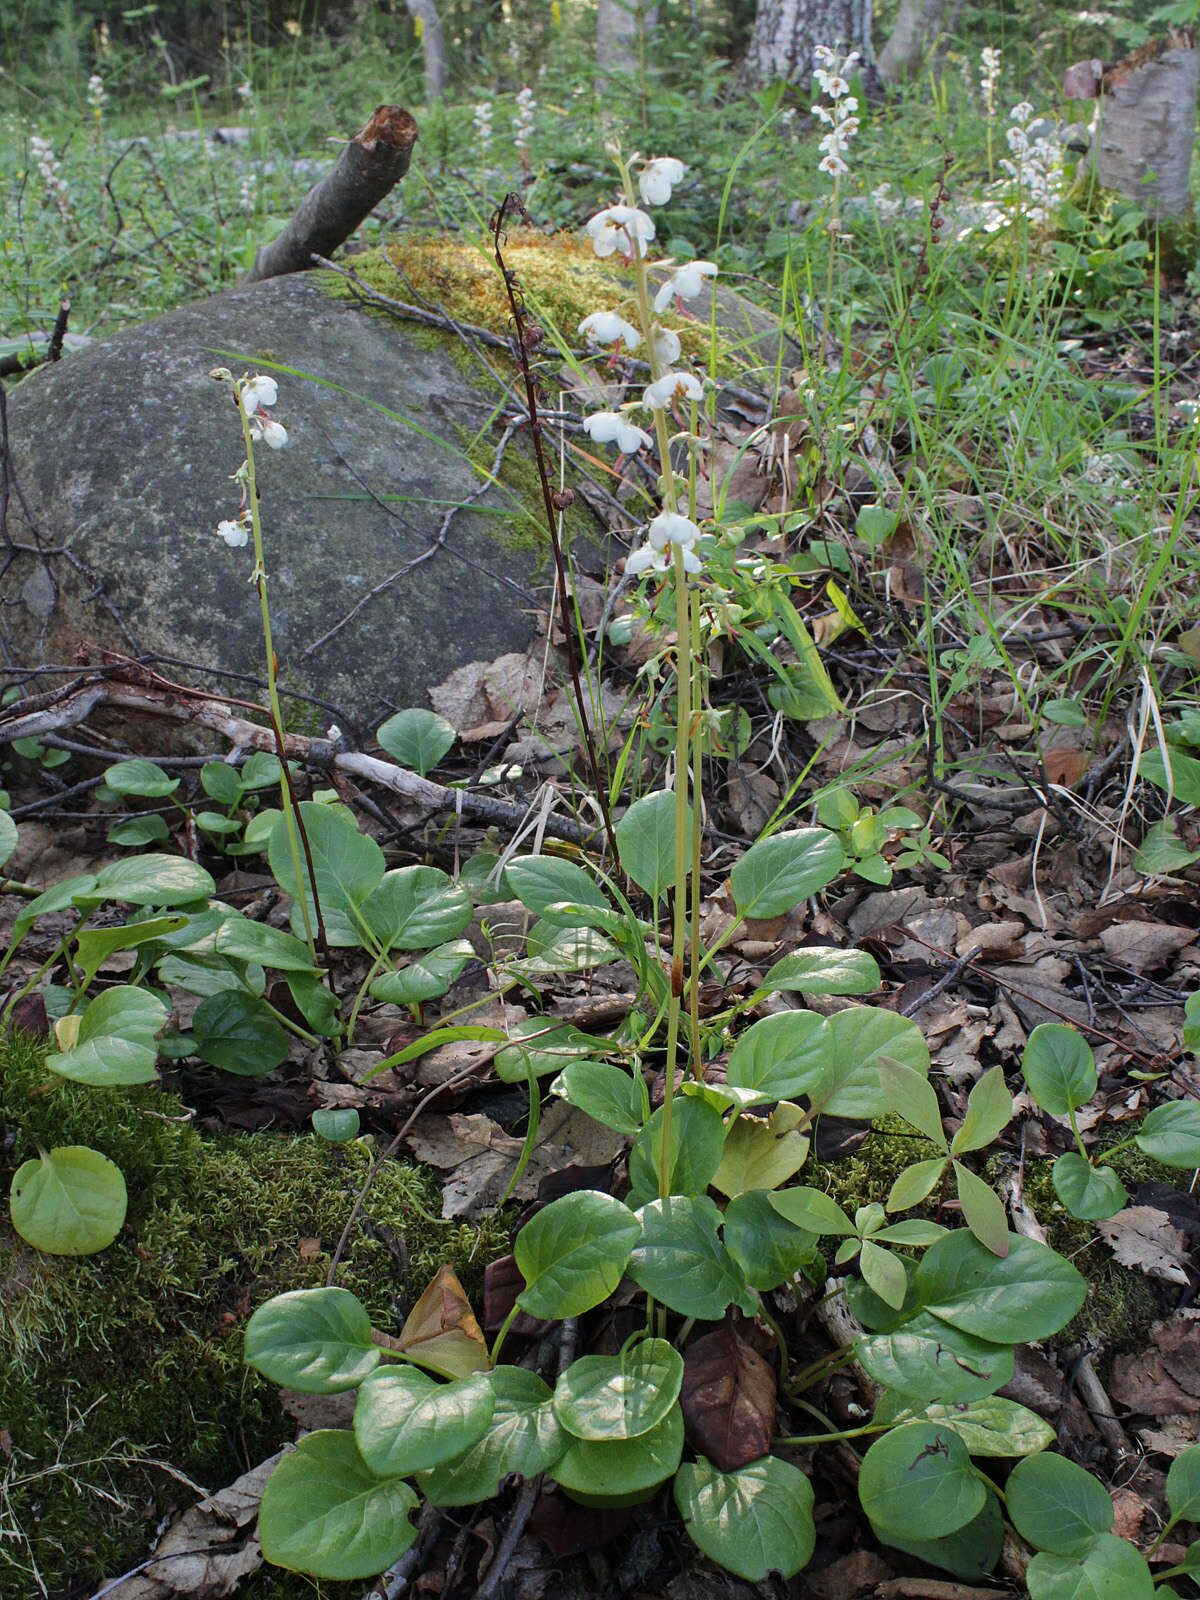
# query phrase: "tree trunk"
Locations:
[[1147, 127], [622, 28], [425, 14], [786, 32], [919, 25]]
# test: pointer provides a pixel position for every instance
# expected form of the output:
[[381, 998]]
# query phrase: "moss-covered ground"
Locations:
[[121, 1375]]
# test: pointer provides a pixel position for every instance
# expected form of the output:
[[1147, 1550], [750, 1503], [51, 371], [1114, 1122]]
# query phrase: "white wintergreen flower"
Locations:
[[685, 283], [622, 228], [833, 76], [235, 534], [989, 78], [672, 386], [610, 427], [523, 122], [658, 177], [666, 346], [97, 94], [606, 327], [483, 124], [272, 434], [672, 527], [257, 392]]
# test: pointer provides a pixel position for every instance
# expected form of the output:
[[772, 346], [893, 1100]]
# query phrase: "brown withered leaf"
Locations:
[[1164, 1380], [566, 1529], [502, 1283], [1142, 1237], [728, 1399], [441, 1330], [1142, 946]]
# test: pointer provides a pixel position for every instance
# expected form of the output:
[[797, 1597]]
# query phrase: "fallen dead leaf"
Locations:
[[852, 1578], [1163, 1380], [1143, 1238], [1143, 946]]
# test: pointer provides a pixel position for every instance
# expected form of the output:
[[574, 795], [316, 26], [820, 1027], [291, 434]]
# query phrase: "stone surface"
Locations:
[[122, 455]]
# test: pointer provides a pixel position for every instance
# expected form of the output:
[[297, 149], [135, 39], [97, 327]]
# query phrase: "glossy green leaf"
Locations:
[[426, 976], [920, 1476], [926, 1360], [767, 1248], [604, 1092], [989, 1111], [416, 738], [347, 866], [681, 1261], [758, 1156], [243, 939], [8, 836], [1183, 1486], [1089, 1193], [753, 1522], [541, 882], [325, 1512], [551, 948], [1184, 780], [1029, 1294], [314, 1340], [982, 1210], [619, 1470], [93, 946], [989, 1426], [619, 1396], [812, 1210], [782, 1056], [697, 1142], [539, 1046], [910, 1095], [237, 1032], [777, 873], [861, 1035], [915, 1182], [140, 777], [336, 1125], [315, 1001], [1056, 1505], [646, 842], [221, 782], [1110, 1569], [1171, 1134], [115, 1043], [824, 969], [1059, 1068], [406, 1422], [970, 1552], [150, 880], [134, 832], [69, 1201], [415, 908], [56, 898], [573, 1252], [524, 1436], [884, 1273]]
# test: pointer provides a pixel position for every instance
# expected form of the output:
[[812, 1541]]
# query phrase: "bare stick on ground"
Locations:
[[366, 172]]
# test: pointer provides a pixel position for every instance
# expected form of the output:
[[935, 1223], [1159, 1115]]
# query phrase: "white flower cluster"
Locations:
[[1105, 470], [245, 93], [621, 228], [248, 194], [254, 396], [235, 531], [832, 74], [989, 78], [1036, 169], [523, 122], [668, 528], [50, 168], [483, 124], [97, 94]]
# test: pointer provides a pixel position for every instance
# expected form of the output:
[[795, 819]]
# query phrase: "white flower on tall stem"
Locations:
[[256, 393], [669, 528], [658, 177], [235, 532], [666, 346], [523, 122], [989, 78], [622, 228], [610, 427], [672, 386], [832, 74], [50, 168], [685, 283], [606, 327], [483, 124], [97, 94], [1036, 170], [272, 434]]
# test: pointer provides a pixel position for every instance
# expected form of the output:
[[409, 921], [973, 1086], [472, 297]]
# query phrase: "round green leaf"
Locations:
[[646, 842], [604, 1092], [416, 738], [753, 1522], [1028, 1294], [920, 1476], [238, 1032], [115, 1045], [540, 882], [405, 1421], [140, 777], [552, 948], [861, 1035], [1183, 1486], [425, 977], [1089, 1193], [681, 1261], [550, 1048], [1059, 1068], [1056, 1505], [315, 1340], [994, 1426], [782, 1056], [151, 880], [572, 1253], [334, 1125], [767, 1248], [69, 1202], [346, 864], [1171, 1134], [8, 836], [220, 782], [1110, 1569], [621, 1396], [56, 898], [969, 1552], [414, 908], [926, 1360], [243, 939], [137, 831], [777, 873], [622, 1469], [697, 1144], [824, 969], [524, 1436], [325, 1512]]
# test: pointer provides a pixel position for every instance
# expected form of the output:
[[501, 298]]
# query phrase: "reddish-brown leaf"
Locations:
[[502, 1283], [728, 1399], [441, 1330]]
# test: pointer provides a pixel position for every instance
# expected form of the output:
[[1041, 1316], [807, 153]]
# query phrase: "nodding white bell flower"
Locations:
[[622, 228], [658, 177], [606, 327], [672, 386], [666, 345], [610, 427], [685, 283], [235, 534], [257, 391], [648, 559], [273, 434], [672, 527]]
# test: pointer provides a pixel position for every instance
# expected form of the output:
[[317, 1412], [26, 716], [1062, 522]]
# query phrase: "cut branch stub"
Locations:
[[367, 170]]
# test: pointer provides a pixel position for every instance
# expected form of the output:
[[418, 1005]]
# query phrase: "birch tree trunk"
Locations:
[[919, 25], [622, 28], [1147, 127], [786, 32], [425, 14]]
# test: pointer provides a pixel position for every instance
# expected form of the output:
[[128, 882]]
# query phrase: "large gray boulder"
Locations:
[[119, 468]]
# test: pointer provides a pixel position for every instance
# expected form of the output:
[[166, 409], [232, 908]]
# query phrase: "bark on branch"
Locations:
[[367, 170]]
